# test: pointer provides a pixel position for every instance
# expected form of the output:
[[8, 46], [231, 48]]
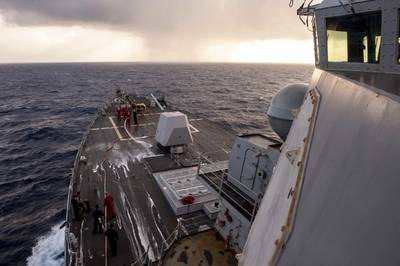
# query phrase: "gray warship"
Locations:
[[188, 191]]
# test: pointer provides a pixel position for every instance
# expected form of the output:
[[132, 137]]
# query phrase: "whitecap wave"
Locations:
[[49, 249]]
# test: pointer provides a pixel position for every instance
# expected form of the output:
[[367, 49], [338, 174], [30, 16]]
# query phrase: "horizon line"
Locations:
[[152, 62]]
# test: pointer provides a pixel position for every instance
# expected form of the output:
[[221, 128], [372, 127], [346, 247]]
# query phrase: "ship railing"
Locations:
[[234, 188], [254, 203], [69, 249], [199, 171], [231, 199], [224, 181]]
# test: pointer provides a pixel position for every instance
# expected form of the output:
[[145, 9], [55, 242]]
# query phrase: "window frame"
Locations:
[[389, 24], [380, 12]]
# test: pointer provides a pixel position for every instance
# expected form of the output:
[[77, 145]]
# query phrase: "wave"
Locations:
[[49, 249]]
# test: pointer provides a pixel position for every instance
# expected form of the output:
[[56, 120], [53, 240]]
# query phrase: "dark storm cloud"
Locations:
[[225, 18]]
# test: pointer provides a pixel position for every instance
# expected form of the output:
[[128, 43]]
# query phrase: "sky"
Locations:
[[153, 31]]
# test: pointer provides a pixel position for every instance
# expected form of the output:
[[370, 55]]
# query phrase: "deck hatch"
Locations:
[[178, 183]]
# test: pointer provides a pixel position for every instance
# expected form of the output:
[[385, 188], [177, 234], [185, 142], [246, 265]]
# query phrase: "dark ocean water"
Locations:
[[46, 108]]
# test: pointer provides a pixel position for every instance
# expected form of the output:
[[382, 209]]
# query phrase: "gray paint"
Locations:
[[179, 136], [280, 126], [348, 210], [389, 83], [284, 108], [286, 103], [273, 220], [237, 230], [251, 164]]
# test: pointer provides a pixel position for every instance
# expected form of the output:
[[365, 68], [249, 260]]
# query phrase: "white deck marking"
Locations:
[[151, 114], [193, 129], [139, 115], [115, 128], [138, 138], [157, 102], [103, 128]]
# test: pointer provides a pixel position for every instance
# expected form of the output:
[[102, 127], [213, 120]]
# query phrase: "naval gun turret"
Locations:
[[173, 132]]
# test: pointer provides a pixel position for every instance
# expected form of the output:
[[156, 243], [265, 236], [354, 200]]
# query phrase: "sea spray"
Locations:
[[49, 249]]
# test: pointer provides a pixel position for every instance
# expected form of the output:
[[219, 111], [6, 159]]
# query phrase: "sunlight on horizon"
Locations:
[[271, 51]]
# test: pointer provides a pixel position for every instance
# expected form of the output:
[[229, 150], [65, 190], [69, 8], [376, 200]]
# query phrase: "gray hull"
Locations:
[[346, 207]]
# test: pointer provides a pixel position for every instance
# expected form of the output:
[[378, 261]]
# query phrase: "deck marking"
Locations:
[[151, 114], [139, 115], [157, 102], [115, 128], [140, 125], [137, 138], [193, 129], [103, 128]]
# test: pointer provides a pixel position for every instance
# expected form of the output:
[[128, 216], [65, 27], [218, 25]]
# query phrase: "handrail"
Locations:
[[227, 174], [240, 193], [223, 192]]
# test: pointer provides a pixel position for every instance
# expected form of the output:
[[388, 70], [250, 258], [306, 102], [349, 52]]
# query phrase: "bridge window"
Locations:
[[354, 38]]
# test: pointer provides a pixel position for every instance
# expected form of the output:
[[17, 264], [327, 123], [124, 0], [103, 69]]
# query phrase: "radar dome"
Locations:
[[284, 108]]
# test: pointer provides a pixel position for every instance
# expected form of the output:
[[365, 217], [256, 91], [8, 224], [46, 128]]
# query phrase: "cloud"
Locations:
[[67, 44], [180, 27]]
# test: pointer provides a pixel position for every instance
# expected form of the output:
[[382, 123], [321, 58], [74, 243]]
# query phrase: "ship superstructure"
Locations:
[[332, 199]]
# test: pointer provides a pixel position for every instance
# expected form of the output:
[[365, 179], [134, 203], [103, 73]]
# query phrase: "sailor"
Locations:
[[86, 206], [125, 112], [135, 120], [109, 204], [76, 207], [119, 112], [128, 116], [81, 204], [97, 214], [128, 120], [112, 236]]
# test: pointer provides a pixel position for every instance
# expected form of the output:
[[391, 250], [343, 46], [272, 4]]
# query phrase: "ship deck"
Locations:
[[111, 160]]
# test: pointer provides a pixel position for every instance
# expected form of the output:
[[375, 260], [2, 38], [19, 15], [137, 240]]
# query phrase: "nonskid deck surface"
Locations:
[[205, 249], [114, 163]]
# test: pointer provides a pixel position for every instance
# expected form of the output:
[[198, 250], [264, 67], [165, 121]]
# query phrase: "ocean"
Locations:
[[46, 108]]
